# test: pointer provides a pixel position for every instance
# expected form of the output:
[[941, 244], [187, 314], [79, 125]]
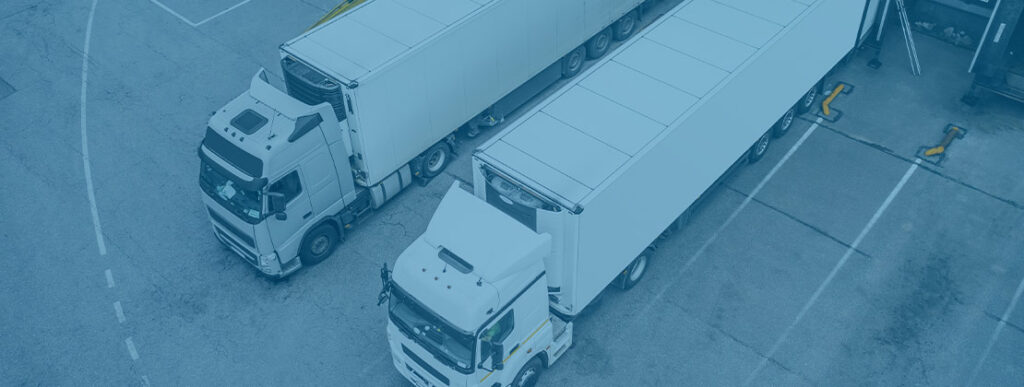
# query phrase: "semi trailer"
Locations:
[[374, 97], [570, 197]]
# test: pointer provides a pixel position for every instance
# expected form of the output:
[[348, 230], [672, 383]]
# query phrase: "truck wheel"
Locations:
[[782, 126], [807, 102], [625, 26], [318, 245], [572, 63], [434, 160], [598, 45], [632, 275], [760, 148], [528, 376]]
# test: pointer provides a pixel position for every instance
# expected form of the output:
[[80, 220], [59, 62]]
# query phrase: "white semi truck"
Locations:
[[374, 97], [569, 198]]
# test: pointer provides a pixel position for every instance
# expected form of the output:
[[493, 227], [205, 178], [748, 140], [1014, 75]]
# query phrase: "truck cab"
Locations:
[[468, 301], [272, 170]]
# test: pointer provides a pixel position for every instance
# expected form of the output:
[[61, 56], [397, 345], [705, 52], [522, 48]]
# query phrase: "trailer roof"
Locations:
[[367, 37], [577, 139]]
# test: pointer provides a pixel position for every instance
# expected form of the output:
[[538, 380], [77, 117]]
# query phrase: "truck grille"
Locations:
[[232, 229], [312, 87], [433, 372]]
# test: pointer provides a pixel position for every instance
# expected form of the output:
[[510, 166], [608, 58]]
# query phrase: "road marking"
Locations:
[[995, 334], [119, 312], [110, 278], [145, 381], [201, 22], [131, 348], [85, 138], [831, 275], [735, 212]]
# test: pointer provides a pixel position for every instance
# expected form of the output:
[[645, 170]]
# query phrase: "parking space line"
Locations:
[[85, 137], [998, 330], [831, 275], [110, 278], [119, 312], [131, 348], [733, 215], [201, 22]]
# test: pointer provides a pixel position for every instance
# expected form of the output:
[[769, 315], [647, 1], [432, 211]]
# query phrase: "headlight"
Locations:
[[267, 260]]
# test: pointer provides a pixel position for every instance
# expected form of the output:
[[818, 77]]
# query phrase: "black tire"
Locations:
[[572, 63], [783, 125], [528, 376], [807, 101], [636, 269], [760, 148], [625, 26], [599, 44], [434, 160], [318, 244]]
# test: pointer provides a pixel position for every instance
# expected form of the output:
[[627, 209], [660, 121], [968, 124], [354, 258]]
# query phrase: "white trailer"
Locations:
[[374, 98], [569, 198]]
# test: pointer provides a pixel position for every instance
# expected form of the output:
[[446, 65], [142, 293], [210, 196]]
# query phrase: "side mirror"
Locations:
[[277, 205], [385, 291], [497, 351], [280, 216]]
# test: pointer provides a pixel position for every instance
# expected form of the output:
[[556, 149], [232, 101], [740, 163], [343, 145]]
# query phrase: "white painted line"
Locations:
[[735, 212], [831, 275], [194, 24], [131, 348], [995, 334], [110, 278], [119, 312], [85, 138], [145, 381], [222, 12]]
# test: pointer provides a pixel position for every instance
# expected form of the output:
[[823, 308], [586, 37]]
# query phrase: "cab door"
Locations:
[[288, 211]]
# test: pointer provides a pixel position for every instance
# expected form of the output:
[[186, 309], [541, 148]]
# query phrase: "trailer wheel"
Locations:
[[625, 26], [572, 63], [318, 245], [782, 126], [635, 271], [434, 160], [528, 376], [760, 148], [598, 45], [807, 102]]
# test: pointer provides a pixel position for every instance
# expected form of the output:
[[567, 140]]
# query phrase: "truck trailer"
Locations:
[[374, 97], [570, 197]]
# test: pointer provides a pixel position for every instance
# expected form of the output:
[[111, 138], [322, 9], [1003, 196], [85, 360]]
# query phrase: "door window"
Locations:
[[289, 186], [496, 333]]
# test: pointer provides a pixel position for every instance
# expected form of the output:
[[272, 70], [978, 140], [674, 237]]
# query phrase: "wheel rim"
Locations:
[[435, 161], [810, 97], [626, 26], [638, 268], [602, 43], [787, 120], [575, 61], [319, 245], [762, 145], [527, 378]]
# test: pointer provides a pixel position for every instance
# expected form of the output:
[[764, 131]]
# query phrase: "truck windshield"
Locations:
[[246, 204], [449, 345]]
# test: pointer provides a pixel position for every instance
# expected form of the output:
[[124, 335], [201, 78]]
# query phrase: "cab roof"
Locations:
[[364, 39], [577, 139]]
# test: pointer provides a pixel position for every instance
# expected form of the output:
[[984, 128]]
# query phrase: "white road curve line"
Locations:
[[119, 312], [131, 348], [201, 22], [219, 14], [734, 213], [110, 278], [85, 138], [831, 275], [995, 335]]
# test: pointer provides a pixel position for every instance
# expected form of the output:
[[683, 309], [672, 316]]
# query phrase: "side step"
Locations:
[[563, 339]]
